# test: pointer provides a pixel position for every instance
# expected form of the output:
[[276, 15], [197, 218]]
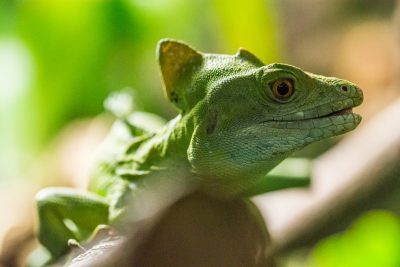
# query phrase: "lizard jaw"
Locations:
[[335, 123], [344, 111]]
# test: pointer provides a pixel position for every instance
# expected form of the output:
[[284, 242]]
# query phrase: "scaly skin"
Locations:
[[239, 118]]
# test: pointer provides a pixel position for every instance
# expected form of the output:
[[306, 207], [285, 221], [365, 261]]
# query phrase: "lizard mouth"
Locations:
[[345, 111], [340, 116], [339, 112]]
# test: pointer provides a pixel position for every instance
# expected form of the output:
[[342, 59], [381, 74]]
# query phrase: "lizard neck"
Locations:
[[167, 150], [157, 170]]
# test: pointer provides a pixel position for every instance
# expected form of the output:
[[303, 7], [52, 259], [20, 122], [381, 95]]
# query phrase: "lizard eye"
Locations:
[[282, 89]]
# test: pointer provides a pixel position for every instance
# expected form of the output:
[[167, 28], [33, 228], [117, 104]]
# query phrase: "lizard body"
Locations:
[[239, 118]]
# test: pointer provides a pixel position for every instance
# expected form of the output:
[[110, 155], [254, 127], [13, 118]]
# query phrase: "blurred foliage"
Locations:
[[373, 240], [358, 9], [245, 25]]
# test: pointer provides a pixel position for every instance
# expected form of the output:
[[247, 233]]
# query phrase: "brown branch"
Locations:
[[370, 161], [195, 231]]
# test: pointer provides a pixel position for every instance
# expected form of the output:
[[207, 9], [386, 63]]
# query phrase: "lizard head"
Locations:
[[247, 116]]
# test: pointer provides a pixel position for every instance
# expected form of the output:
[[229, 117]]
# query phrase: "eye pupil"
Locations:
[[282, 89]]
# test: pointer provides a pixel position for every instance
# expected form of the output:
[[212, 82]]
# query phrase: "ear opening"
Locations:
[[177, 62], [250, 57]]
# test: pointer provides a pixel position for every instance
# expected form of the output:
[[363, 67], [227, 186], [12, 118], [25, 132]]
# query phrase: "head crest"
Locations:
[[177, 62], [250, 57]]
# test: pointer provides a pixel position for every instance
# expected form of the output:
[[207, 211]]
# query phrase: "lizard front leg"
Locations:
[[65, 214]]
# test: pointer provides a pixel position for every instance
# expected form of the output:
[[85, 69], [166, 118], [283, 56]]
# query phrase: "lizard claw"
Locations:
[[73, 243]]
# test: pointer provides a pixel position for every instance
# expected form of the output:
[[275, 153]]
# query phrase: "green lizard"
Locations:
[[239, 118]]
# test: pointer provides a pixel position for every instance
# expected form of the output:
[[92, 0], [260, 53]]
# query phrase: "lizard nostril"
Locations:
[[344, 88]]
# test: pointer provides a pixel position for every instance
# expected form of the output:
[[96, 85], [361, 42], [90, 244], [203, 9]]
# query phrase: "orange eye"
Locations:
[[282, 89]]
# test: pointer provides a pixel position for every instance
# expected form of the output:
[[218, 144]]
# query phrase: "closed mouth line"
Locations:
[[342, 112]]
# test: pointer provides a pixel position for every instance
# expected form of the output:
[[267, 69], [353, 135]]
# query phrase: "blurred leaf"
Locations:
[[373, 240], [7, 14], [250, 24], [72, 42]]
